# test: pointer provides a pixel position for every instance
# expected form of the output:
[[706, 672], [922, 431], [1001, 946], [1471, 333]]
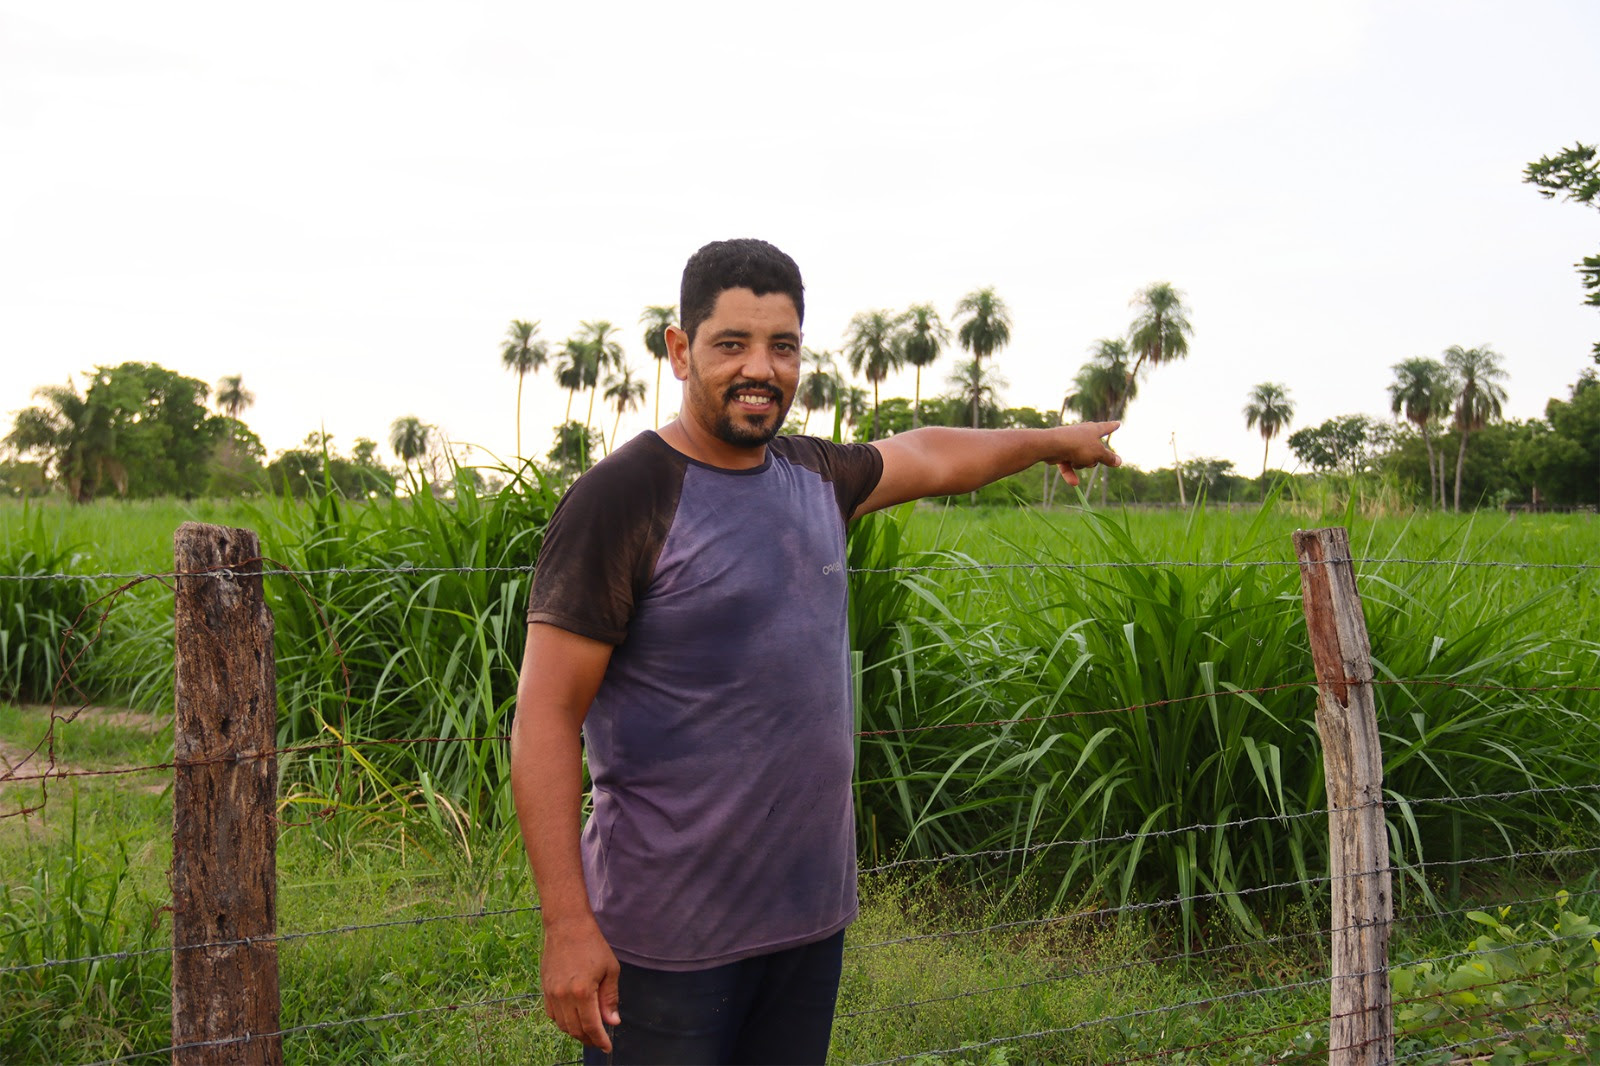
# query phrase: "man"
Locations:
[[688, 617]]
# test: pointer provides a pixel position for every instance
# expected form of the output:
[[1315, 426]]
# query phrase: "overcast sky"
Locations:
[[348, 202]]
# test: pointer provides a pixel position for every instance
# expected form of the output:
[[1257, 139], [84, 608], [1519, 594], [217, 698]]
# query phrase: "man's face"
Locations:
[[743, 367]]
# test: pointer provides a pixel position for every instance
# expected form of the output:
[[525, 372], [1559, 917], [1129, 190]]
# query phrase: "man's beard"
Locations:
[[736, 431]]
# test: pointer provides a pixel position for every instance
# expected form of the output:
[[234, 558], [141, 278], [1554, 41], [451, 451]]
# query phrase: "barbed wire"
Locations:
[[1229, 997], [271, 938], [1132, 835], [403, 570], [1103, 912], [1190, 1004], [1236, 893], [312, 1027], [406, 570], [1188, 956], [1487, 1038]]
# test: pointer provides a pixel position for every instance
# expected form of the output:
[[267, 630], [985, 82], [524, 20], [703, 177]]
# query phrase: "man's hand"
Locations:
[[561, 673], [1084, 445], [578, 973]]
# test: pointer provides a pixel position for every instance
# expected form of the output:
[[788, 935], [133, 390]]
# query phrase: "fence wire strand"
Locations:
[[311, 1027], [968, 567]]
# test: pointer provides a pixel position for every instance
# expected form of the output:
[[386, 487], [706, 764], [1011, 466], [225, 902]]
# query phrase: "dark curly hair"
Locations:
[[745, 263]]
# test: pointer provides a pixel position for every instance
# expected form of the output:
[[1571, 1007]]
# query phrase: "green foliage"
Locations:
[[1034, 656], [35, 616], [1519, 990], [1351, 443], [138, 430], [574, 442], [1575, 174], [316, 468], [426, 655], [79, 903]]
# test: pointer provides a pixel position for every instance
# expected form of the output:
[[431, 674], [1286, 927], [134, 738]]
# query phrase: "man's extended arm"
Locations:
[[941, 461], [561, 673]]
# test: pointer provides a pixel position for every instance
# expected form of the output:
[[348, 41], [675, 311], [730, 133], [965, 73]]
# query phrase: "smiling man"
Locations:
[[688, 621]]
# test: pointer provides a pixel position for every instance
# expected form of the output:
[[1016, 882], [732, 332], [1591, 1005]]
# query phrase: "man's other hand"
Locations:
[[578, 973]]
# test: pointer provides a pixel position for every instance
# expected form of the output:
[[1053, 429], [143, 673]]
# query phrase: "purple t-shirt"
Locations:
[[720, 744]]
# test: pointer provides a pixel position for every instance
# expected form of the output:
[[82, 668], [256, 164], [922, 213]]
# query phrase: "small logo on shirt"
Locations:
[[832, 568]]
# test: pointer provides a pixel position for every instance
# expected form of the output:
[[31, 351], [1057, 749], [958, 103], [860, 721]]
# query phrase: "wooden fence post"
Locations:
[[224, 836], [1361, 1010]]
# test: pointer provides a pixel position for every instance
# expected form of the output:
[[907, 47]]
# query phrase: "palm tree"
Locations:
[[852, 401], [871, 347], [1271, 409], [819, 386], [986, 330], [233, 397], [1479, 396], [520, 352], [1422, 391], [573, 372], [977, 386], [922, 338], [625, 393], [73, 434], [656, 320], [409, 437], [1102, 387], [1101, 390], [1160, 332], [603, 353]]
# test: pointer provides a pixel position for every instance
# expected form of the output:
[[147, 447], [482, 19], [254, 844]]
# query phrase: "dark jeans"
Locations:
[[774, 1008]]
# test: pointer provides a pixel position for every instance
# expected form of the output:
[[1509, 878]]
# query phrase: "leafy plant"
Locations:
[[416, 671], [37, 611], [1524, 990], [73, 908]]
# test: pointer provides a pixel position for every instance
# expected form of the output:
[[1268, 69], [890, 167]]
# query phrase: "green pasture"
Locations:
[[997, 655]]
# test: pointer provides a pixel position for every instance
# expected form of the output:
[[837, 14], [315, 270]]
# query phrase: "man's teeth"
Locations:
[[758, 399]]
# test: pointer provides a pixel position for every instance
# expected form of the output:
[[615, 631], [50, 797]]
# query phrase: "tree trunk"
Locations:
[[916, 402], [1461, 461], [875, 429], [658, 392], [1427, 442], [519, 415], [588, 420]]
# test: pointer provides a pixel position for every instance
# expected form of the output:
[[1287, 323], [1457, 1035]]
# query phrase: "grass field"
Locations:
[[1025, 620]]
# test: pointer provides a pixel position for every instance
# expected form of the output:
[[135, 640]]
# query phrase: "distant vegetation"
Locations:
[[139, 430]]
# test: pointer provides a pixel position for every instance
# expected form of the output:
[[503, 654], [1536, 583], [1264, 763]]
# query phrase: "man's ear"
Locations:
[[678, 352]]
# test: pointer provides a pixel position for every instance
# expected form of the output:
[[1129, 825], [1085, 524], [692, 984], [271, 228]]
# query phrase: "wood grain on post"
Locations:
[[1361, 1013], [224, 837]]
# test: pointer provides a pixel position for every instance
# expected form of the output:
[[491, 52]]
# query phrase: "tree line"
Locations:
[[139, 429]]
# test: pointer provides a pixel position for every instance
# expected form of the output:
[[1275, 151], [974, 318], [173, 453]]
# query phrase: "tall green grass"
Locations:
[[1037, 644], [37, 615], [1160, 789], [396, 656]]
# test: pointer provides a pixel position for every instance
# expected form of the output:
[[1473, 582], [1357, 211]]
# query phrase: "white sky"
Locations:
[[348, 202]]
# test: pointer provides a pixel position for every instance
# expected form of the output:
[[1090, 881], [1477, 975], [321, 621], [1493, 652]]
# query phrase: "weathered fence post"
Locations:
[[1361, 1011], [224, 837]]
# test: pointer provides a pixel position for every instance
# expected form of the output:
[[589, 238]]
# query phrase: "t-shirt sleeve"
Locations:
[[854, 470], [851, 470], [599, 551]]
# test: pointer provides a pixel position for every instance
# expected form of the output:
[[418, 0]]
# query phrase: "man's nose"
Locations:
[[759, 363]]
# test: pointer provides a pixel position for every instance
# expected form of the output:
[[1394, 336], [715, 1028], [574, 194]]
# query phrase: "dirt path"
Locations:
[[32, 757]]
